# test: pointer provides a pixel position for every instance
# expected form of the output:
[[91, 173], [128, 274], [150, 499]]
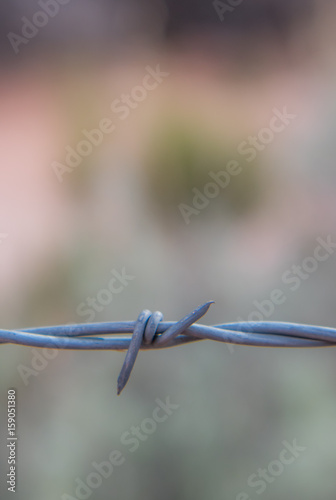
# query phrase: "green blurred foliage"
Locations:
[[180, 158]]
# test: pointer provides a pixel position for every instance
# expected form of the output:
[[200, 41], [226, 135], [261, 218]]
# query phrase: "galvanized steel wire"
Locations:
[[149, 331]]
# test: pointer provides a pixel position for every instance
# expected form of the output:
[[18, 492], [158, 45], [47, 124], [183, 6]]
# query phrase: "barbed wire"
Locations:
[[149, 331]]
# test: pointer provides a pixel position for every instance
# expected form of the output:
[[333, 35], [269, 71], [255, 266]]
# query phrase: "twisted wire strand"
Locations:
[[149, 331]]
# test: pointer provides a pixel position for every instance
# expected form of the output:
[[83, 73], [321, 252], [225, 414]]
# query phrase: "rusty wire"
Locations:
[[149, 331]]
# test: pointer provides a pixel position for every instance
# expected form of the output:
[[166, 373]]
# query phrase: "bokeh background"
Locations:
[[120, 208]]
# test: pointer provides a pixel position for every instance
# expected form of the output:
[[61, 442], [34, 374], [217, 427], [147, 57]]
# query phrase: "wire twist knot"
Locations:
[[145, 332]]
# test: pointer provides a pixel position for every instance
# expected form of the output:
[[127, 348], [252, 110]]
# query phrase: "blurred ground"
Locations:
[[228, 71]]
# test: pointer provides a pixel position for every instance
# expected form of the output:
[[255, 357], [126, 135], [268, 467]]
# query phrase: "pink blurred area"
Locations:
[[34, 211]]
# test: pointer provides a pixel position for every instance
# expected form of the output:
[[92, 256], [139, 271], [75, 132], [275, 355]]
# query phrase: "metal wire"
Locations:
[[149, 331]]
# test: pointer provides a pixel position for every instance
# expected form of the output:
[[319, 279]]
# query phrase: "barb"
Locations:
[[151, 332]]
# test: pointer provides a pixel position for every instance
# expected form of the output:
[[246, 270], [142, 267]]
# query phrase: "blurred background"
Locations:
[[71, 212]]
